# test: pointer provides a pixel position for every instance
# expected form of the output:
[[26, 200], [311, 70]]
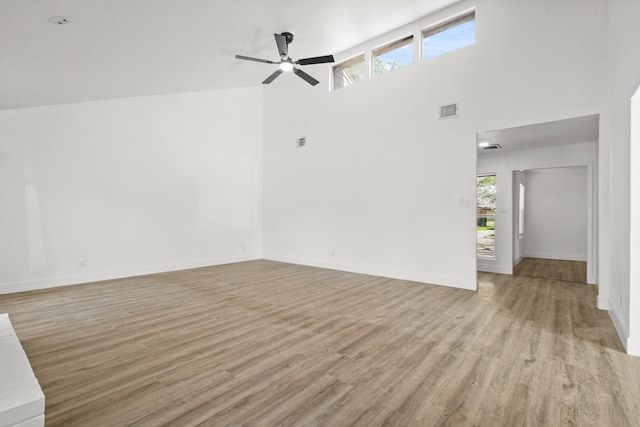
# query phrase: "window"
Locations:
[[449, 36], [486, 217], [349, 72], [393, 56], [521, 211]]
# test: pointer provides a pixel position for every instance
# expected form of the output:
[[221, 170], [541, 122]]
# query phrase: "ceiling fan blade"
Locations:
[[305, 77], [316, 60], [283, 47], [248, 58], [272, 77]]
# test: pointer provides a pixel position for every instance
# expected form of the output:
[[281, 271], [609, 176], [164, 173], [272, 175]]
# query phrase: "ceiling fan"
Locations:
[[286, 63]]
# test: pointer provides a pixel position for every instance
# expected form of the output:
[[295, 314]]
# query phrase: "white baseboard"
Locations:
[[603, 303], [52, 282], [499, 269], [550, 255], [617, 323], [452, 282], [633, 346]]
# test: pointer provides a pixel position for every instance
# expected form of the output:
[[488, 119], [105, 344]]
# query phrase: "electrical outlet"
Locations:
[[82, 263]]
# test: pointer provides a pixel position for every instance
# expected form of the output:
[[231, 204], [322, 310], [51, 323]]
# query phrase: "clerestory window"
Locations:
[[451, 35], [349, 72], [392, 56]]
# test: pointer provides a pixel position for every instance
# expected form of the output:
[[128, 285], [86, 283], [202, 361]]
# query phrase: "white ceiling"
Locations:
[[123, 48], [541, 135]]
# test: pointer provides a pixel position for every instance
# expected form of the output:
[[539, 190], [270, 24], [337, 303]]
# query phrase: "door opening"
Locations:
[[486, 216]]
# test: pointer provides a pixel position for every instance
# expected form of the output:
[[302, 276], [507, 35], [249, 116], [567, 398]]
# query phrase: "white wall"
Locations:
[[131, 186], [384, 186], [504, 164], [556, 208], [624, 78]]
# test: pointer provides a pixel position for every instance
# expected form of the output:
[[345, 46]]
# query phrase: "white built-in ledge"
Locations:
[[21, 398]]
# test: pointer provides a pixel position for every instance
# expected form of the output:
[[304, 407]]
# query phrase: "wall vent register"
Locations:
[[449, 111]]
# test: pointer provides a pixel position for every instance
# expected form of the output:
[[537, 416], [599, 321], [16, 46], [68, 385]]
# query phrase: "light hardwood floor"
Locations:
[[264, 343], [568, 271]]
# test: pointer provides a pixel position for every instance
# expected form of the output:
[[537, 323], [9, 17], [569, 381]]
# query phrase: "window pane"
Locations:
[[393, 56], [349, 72], [521, 211], [449, 36], [486, 216]]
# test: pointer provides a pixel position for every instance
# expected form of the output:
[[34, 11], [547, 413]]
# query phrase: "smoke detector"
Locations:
[[59, 20]]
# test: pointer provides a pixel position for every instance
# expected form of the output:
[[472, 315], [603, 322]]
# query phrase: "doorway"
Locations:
[[565, 147], [486, 216], [551, 223]]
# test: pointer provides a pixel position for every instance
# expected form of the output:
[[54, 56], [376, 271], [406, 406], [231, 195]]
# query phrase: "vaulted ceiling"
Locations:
[[123, 48]]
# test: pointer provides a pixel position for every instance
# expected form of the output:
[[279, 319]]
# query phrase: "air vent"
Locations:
[[492, 147], [301, 142], [449, 111]]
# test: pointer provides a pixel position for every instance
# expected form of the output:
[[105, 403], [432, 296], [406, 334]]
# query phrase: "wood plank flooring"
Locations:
[[264, 343], [568, 271]]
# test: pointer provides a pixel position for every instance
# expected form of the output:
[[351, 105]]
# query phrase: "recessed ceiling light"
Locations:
[[59, 20], [483, 144]]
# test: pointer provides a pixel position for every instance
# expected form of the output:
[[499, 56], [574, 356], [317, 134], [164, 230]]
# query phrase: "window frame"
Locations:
[[445, 25], [521, 202], [408, 40], [356, 59]]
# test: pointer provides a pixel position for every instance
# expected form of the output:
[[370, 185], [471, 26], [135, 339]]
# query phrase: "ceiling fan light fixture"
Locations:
[[286, 66]]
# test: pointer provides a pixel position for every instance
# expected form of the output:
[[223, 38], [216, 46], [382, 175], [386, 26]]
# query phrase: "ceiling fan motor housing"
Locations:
[[287, 36]]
